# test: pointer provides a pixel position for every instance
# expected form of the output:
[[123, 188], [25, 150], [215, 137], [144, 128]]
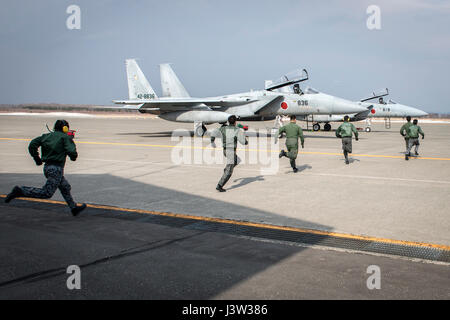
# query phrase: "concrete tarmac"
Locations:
[[131, 162], [124, 257]]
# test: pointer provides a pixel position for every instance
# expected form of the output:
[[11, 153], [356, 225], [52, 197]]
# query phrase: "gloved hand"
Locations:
[[73, 158], [423, 137], [38, 160], [303, 146], [357, 138]]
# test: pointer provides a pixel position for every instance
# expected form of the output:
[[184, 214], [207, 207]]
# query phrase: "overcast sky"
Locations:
[[223, 47]]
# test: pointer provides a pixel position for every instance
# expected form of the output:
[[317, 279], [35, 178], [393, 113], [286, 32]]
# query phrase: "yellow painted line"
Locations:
[[252, 224], [256, 150]]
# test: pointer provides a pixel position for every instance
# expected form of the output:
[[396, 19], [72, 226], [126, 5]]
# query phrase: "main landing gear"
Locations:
[[326, 127]]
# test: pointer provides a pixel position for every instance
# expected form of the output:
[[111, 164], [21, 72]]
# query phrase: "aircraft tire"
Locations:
[[200, 131], [327, 127], [316, 127]]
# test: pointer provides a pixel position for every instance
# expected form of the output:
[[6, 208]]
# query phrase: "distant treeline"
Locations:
[[438, 116]]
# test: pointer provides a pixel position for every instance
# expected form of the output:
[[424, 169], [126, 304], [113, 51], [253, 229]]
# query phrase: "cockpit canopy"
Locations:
[[288, 79]]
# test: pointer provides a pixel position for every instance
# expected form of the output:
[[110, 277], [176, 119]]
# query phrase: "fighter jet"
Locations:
[[177, 105], [381, 109]]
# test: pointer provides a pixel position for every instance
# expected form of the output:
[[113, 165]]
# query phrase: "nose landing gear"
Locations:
[[368, 125], [199, 129]]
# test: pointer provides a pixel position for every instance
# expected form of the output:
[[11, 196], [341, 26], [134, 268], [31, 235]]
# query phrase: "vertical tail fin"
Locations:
[[138, 86], [171, 85]]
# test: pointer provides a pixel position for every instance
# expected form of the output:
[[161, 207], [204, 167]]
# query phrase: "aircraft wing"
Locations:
[[177, 103], [269, 103], [129, 107]]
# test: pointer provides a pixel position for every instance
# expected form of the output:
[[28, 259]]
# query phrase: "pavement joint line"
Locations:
[[252, 224], [240, 149]]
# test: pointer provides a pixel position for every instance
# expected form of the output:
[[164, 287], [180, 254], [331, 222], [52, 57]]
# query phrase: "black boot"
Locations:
[[346, 157], [282, 154], [16, 192], [294, 166], [220, 189], [76, 211], [406, 156]]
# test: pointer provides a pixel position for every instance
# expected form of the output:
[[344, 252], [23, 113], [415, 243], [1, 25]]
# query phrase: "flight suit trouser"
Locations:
[[232, 161], [292, 154], [413, 142], [55, 180], [346, 146]]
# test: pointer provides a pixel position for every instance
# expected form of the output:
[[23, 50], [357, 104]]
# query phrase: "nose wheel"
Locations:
[[368, 125], [200, 130]]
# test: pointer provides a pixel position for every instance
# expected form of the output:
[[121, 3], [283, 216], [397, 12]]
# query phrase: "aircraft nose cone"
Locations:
[[416, 112]]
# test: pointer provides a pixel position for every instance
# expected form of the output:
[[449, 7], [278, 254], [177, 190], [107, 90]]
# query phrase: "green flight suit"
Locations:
[[413, 132], [345, 132], [55, 146], [230, 135], [293, 133], [404, 132]]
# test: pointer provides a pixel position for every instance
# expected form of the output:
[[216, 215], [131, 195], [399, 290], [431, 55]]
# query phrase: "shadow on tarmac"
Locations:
[[303, 168], [126, 255], [163, 134], [245, 181], [186, 133]]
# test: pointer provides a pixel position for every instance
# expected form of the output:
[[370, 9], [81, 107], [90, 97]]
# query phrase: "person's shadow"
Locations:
[[351, 160], [245, 181], [301, 168]]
